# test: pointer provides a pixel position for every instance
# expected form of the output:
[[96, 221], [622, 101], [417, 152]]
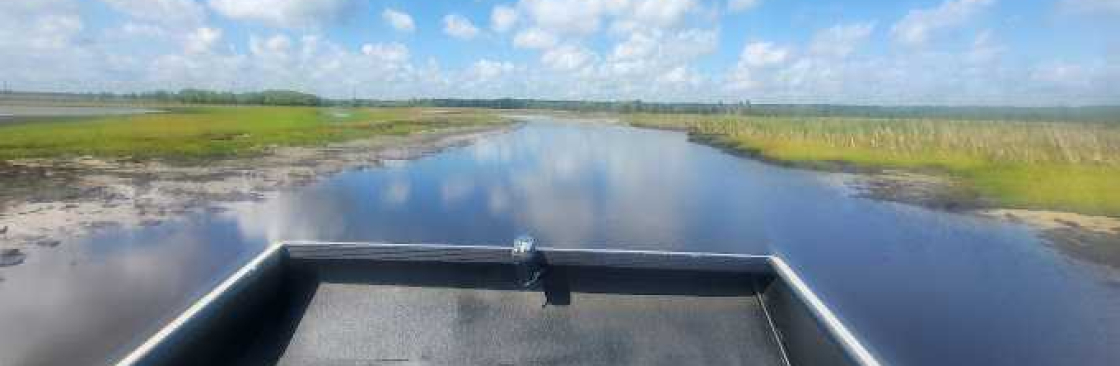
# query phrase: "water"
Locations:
[[920, 287]]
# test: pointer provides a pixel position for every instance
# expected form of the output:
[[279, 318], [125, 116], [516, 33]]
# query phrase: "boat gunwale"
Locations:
[[195, 310], [308, 244], [819, 310], [824, 315]]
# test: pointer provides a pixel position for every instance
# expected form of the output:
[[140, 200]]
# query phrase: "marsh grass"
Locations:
[[191, 133], [1044, 165]]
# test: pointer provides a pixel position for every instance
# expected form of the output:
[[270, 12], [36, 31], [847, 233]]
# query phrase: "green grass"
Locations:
[[190, 133], [1063, 166]]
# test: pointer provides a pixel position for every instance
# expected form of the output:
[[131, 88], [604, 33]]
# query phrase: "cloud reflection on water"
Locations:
[[567, 186], [78, 305]]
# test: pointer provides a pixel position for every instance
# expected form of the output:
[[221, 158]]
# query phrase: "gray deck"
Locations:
[[362, 324], [394, 304]]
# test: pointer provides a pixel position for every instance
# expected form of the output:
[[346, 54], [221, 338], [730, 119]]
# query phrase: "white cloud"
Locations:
[[656, 64], [47, 45], [141, 30], [400, 21], [692, 43], [651, 56], [487, 78], [757, 65], [283, 13], [274, 44], [1062, 74], [970, 76], [660, 13], [650, 15], [565, 17], [568, 58], [176, 13], [29, 25], [277, 47], [669, 49], [840, 40], [679, 75], [503, 18], [984, 49], [390, 53], [742, 5], [53, 31], [647, 52], [202, 40], [534, 38], [308, 63], [918, 25], [458, 26], [1090, 6], [763, 54], [639, 45], [580, 19], [485, 70]]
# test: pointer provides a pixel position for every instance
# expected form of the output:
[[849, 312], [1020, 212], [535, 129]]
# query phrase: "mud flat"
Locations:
[[1094, 239], [49, 202], [1088, 238]]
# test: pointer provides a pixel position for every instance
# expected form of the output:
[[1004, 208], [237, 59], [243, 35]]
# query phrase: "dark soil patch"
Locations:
[[1085, 245], [11, 257]]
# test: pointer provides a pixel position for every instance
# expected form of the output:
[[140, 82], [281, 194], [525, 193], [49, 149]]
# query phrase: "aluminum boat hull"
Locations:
[[417, 304]]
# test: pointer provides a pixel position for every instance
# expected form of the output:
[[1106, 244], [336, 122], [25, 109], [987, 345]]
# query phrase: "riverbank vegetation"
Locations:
[[1100, 113], [202, 132], [163, 97], [1066, 166]]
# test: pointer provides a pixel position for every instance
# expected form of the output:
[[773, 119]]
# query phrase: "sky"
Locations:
[[940, 52]]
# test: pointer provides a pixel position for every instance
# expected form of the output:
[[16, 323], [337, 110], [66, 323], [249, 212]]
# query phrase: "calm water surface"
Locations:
[[920, 287]]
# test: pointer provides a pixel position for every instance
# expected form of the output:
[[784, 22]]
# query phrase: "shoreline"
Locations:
[[51, 202], [1086, 238]]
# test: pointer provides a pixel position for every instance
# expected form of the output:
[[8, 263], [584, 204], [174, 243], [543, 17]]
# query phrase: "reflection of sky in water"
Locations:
[[566, 186], [74, 306], [922, 287]]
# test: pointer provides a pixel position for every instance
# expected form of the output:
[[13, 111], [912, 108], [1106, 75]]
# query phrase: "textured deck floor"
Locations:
[[364, 324]]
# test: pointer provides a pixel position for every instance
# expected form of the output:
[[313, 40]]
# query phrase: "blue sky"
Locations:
[[1032, 52]]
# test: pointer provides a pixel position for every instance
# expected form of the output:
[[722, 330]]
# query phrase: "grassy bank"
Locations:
[[185, 133], [1063, 166]]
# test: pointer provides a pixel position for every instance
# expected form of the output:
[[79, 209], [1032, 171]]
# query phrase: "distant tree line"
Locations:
[[267, 97], [1109, 114], [1088, 113], [186, 96], [635, 106]]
